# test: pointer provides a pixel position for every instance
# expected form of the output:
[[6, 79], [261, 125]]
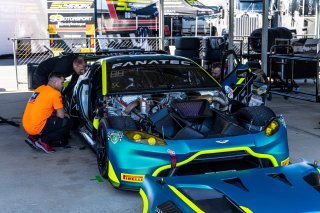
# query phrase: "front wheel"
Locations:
[[102, 148]]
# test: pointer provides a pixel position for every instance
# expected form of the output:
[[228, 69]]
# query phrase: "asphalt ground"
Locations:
[[69, 181]]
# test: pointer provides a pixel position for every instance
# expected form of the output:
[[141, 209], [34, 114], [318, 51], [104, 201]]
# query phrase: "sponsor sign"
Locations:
[[150, 62], [132, 178], [75, 17]]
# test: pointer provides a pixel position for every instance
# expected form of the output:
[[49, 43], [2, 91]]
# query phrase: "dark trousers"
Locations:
[[56, 131]]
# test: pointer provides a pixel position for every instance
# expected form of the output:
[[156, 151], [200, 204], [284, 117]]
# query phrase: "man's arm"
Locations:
[[60, 113]]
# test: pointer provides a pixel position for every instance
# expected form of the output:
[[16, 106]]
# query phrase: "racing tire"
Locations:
[[284, 33], [102, 148], [187, 53], [214, 55], [187, 43], [255, 115], [255, 40]]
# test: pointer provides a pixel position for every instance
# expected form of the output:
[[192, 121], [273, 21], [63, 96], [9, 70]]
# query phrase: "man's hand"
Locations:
[[60, 113]]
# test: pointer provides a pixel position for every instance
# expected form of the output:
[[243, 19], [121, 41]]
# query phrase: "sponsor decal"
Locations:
[[130, 5], [222, 141], [71, 5], [132, 178], [33, 97], [115, 136], [150, 62], [59, 18]]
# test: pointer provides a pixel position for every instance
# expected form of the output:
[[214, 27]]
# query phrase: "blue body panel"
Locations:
[[264, 193], [129, 157]]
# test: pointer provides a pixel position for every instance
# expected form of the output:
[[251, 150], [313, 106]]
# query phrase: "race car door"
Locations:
[[83, 100]]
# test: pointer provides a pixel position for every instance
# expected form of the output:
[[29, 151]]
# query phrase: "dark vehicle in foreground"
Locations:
[[164, 115], [294, 188]]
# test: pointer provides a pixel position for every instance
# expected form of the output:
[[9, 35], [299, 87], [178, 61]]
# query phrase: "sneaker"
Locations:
[[44, 147], [31, 142]]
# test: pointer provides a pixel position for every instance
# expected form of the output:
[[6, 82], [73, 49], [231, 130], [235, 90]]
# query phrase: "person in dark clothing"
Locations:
[[71, 64]]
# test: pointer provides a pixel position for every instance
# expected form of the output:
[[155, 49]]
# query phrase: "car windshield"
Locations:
[[158, 77]]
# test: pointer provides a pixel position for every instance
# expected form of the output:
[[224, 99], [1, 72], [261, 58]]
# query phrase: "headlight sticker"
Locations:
[[115, 136]]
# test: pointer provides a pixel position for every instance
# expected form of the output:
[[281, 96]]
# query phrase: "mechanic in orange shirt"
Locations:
[[44, 118]]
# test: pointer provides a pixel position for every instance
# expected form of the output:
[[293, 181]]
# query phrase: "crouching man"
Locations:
[[44, 118]]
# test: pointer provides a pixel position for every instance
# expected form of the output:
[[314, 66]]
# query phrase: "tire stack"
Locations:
[[212, 51], [188, 47], [255, 39]]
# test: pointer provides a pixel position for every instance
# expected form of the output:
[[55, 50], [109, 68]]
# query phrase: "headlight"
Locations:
[[144, 138], [272, 128]]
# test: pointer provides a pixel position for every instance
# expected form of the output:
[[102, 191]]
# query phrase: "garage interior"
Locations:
[[69, 180]]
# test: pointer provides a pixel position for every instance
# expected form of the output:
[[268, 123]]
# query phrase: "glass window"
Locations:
[[158, 77]]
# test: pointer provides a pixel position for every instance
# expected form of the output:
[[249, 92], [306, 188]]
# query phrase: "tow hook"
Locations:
[[172, 158]]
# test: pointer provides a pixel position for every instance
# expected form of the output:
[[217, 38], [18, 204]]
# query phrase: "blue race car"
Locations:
[[294, 188], [164, 115]]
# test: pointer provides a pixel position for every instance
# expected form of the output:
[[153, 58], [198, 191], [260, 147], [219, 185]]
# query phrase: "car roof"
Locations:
[[112, 59]]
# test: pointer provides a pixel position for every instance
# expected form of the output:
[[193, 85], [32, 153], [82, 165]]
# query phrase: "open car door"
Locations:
[[83, 100]]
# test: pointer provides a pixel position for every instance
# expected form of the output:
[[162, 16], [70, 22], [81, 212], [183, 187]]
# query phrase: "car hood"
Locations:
[[278, 189]]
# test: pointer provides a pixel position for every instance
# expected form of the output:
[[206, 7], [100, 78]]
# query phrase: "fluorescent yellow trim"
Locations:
[[112, 176], [246, 210], [247, 149], [240, 81], [104, 77], [145, 201], [95, 123], [193, 206], [285, 162], [66, 83], [318, 170]]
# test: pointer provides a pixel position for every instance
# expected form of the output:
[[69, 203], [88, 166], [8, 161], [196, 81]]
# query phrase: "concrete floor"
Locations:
[[66, 181]]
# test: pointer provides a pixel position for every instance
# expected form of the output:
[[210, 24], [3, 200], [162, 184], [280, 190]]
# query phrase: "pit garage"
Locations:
[[154, 129]]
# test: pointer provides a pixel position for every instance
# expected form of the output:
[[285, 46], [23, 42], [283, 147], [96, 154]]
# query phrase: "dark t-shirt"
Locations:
[[60, 64]]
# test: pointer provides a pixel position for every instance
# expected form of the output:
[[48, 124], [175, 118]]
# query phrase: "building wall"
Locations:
[[21, 18]]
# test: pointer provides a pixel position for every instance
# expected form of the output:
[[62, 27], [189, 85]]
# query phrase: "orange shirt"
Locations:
[[40, 106]]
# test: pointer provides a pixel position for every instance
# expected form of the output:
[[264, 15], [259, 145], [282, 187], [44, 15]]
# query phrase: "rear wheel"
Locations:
[[102, 148]]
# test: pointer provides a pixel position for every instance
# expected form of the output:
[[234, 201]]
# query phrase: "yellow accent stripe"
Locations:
[[104, 77], [246, 210], [66, 83], [145, 201], [318, 170], [95, 123], [207, 73], [240, 81], [193, 206], [247, 149], [285, 162], [112, 176]]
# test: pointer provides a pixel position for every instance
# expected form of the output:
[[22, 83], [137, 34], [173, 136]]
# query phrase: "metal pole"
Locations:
[[317, 19], [15, 61], [171, 29], [264, 49], [231, 36], [231, 24], [196, 30], [161, 23], [137, 22]]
